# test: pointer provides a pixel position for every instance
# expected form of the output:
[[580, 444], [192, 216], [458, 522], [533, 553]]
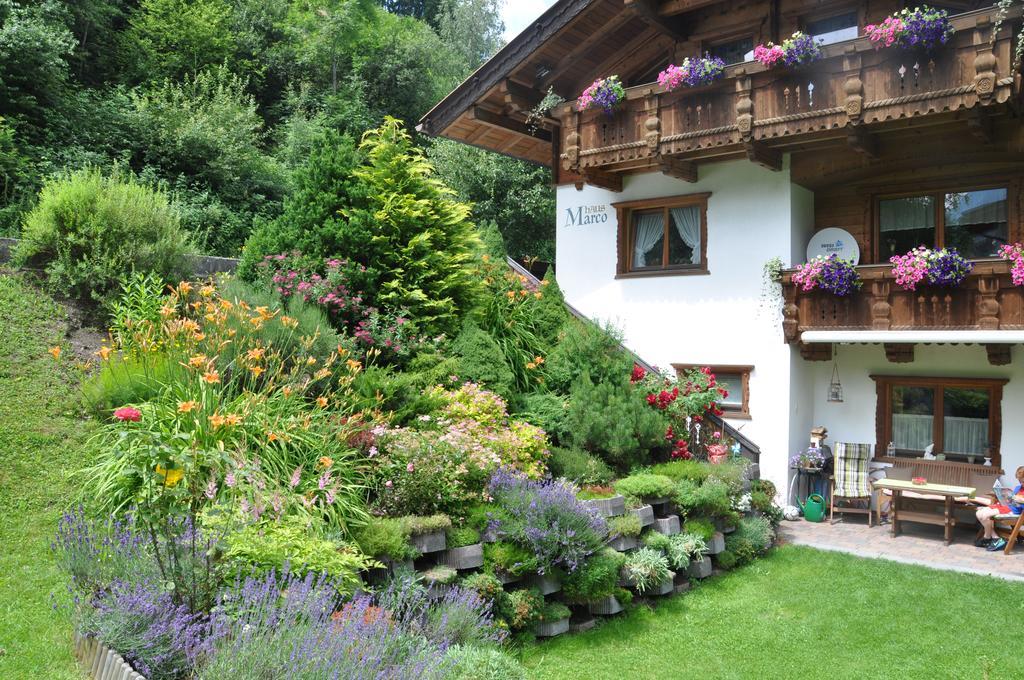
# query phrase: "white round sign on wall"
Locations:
[[834, 241]]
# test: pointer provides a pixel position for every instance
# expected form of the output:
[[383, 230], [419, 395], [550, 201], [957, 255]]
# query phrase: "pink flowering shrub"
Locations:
[[445, 461], [1014, 252], [332, 284]]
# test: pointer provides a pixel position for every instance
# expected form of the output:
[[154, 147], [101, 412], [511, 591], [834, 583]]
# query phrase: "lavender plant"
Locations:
[[547, 518], [281, 626], [158, 637], [96, 553]]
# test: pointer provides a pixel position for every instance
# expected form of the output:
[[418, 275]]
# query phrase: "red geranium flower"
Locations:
[[638, 374], [128, 413]]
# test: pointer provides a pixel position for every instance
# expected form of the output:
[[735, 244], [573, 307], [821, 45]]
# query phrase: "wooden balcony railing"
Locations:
[[761, 110], [987, 301]]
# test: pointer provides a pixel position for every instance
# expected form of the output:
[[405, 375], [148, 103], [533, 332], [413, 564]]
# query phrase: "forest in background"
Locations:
[[220, 103]]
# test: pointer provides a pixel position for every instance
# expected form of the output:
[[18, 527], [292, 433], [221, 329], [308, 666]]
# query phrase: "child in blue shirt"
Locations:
[[993, 508]]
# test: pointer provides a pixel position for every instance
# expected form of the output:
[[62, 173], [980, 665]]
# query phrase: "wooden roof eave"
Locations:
[[493, 72]]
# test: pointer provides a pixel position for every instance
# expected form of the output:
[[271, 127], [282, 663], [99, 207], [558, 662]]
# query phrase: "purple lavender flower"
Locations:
[[547, 518]]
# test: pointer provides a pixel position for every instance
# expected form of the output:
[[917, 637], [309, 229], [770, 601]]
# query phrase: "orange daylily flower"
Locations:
[[198, 361], [55, 352], [103, 352], [255, 354], [287, 391], [322, 373], [207, 291], [167, 310], [271, 437], [184, 288], [289, 322], [353, 364], [211, 377], [187, 406], [232, 420], [216, 420], [257, 370], [321, 402], [326, 462]]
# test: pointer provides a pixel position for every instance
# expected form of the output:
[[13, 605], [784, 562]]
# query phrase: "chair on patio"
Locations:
[[1009, 527], [850, 480]]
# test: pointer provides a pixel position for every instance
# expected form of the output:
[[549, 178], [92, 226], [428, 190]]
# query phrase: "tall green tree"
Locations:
[[427, 10], [473, 28], [516, 195], [177, 38]]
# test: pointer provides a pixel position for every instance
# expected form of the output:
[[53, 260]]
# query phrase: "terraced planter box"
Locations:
[[645, 513], [666, 587], [608, 507], [662, 505], [580, 623], [379, 575], [624, 543], [429, 543], [700, 568], [606, 607], [667, 525], [466, 557], [717, 543], [546, 584], [720, 525], [551, 628], [506, 578], [681, 583]]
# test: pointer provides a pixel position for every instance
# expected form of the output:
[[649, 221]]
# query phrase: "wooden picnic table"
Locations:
[[948, 491]]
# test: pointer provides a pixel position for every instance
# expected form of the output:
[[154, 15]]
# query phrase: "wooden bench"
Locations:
[[951, 473]]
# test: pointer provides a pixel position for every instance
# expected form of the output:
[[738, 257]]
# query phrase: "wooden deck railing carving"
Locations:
[[987, 300], [852, 85]]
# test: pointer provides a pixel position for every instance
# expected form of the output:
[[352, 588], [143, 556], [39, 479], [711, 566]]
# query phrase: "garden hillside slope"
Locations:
[[39, 453]]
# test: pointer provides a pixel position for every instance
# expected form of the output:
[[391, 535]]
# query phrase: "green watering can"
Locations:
[[814, 508]]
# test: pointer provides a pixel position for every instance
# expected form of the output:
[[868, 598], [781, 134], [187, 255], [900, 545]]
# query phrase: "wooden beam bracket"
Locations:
[[497, 120], [763, 156], [862, 141], [899, 353], [678, 168], [606, 180], [648, 11], [816, 351], [999, 355]]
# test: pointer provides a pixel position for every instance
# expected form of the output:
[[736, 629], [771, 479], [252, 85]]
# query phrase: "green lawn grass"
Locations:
[[803, 613], [39, 452]]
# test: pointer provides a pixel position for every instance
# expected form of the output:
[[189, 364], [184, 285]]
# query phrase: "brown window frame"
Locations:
[[741, 412], [625, 212], [940, 212], [707, 46], [883, 409]]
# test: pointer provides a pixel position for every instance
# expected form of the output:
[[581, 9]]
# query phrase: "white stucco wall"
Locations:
[[853, 420], [753, 214]]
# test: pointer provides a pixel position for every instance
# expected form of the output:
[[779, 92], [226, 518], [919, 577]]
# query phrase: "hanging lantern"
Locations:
[[835, 387]]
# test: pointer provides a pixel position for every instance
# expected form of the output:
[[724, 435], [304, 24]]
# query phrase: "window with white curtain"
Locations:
[[663, 236], [973, 222], [958, 417]]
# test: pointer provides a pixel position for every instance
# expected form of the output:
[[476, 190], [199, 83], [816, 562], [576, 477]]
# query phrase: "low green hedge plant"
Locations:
[[417, 526], [554, 611], [596, 579], [509, 558], [460, 537], [701, 526], [579, 466], [645, 485], [385, 538]]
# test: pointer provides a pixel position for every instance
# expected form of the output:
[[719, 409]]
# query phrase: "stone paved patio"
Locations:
[[919, 544]]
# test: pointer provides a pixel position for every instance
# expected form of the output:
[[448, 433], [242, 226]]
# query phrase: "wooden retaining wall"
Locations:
[[99, 662]]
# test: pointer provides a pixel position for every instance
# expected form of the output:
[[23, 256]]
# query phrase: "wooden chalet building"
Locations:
[[668, 210]]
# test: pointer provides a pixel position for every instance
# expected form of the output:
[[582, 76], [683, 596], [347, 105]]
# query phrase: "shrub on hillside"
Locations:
[[612, 421], [88, 230], [585, 348], [579, 467], [480, 360]]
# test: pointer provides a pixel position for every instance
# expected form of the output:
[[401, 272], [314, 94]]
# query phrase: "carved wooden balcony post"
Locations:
[[985, 61], [988, 303], [744, 107], [790, 313], [881, 310], [571, 124], [854, 86], [652, 125]]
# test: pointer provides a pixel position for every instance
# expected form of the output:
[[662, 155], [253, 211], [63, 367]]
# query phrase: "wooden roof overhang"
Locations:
[[859, 98], [571, 41]]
